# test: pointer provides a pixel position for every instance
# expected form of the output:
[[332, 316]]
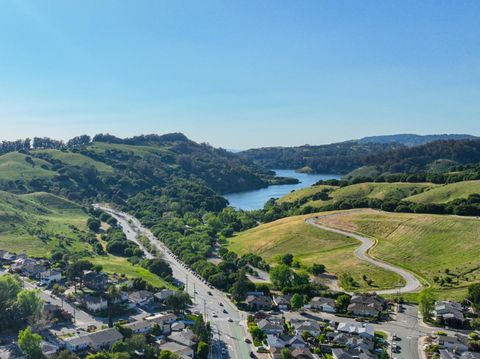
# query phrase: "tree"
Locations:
[[178, 302], [286, 354], [426, 303], [296, 301], [240, 287], [474, 295], [317, 269], [281, 275], [29, 305], [29, 343], [342, 302], [64, 354], [202, 350], [287, 259], [93, 224], [113, 294]]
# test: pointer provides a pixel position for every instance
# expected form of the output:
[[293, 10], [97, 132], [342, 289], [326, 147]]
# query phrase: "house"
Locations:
[[48, 349], [259, 302], [164, 294], [141, 297], [323, 304], [457, 343], [95, 304], [339, 353], [303, 353], [282, 302], [178, 326], [104, 339], [161, 319], [285, 341], [366, 305], [363, 330], [140, 326], [50, 276], [178, 349], [447, 354], [78, 343], [11, 351], [450, 313], [95, 280], [301, 326], [272, 325], [28, 266], [7, 257], [185, 337]]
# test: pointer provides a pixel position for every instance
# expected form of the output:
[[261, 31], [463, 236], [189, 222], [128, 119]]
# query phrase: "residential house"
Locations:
[[272, 325], [450, 313], [140, 326], [363, 330], [178, 349], [78, 343], [282, 302], [366, 305], [285, 341], [48, 349], [95, 280], [11, 351], [185, 337], [141, 297], [323, 304], [303, 353], [457, 343], [339, 353], [178, 326], [28, 266], [50, 276], [7, 257], [260, 302], [164, 294], [95, 304], [164, 321], [102, 339], [301, 325]]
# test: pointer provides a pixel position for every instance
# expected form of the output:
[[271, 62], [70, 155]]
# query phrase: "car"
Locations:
[[220, 304], [225, 311], [252, 355], [230, 320], [214, 315], [248, 341], [210, 293]]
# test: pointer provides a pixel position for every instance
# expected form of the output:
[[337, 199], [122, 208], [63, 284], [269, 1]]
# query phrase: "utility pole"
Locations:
[[186, 283], [194, 293], [205, 310]]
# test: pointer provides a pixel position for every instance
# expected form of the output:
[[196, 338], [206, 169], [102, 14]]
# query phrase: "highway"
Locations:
[[228, 323]]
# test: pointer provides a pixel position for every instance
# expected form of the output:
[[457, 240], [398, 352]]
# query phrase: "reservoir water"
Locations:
[[256, 199]]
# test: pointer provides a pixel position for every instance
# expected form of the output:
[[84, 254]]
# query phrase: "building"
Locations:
[[141, 297], [7, 257], [11, 351], [50, 276], [282, 302], [260, 302], [323, 304], [185, 337], [164, 294], [77, 344], [179, 349], [457, 343], [272, 325], [140, 326], [364, 330], [450, 313], [95, 304], [301, 326], [367, 305], [95, 280], [285, 341]]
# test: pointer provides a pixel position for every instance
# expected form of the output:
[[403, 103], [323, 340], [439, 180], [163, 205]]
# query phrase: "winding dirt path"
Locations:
[[411, 282]]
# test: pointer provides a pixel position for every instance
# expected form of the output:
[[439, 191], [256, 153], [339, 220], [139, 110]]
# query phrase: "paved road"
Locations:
[[212, 302], [411, 282]]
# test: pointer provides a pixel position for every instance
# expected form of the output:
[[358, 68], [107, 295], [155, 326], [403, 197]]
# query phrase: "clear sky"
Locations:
[[239, 74]]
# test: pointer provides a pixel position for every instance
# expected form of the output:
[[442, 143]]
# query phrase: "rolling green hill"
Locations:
[[447, 193], [442, 249], [38, 223], [311, 245], [15, 166], [72, 159]]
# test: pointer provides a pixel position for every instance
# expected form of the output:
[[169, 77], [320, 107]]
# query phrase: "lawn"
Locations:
[[436, 247], [76, 159], [311, 245], [447, 193], [302, 193], [113, 264]]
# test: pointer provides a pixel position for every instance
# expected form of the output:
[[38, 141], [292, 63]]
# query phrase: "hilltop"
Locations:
[[411, 140]]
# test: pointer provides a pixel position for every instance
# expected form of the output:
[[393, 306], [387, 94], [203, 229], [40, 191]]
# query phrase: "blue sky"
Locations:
[[239, 74]]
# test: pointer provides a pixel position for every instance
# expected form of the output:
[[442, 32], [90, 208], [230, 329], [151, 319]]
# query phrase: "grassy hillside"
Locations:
[[18, 166], [311, 245], [447, 193], [74, 159], [441, 249], [368, 190], [36, 224]]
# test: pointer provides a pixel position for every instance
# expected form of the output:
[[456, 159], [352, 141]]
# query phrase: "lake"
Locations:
[[256, 199]]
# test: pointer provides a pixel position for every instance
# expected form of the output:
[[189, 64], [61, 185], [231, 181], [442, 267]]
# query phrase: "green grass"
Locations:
[[428, 245], [311, 245], [447, 193], [38, 223], [112, 264], [14, 166], [368, 190], [75, 159]]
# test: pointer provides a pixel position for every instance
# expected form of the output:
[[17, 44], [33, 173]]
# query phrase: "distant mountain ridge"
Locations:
[[411, 140]]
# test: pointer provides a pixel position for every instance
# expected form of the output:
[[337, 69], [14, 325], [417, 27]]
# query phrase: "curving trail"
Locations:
[[411, 282]]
